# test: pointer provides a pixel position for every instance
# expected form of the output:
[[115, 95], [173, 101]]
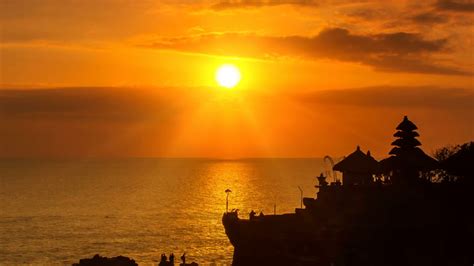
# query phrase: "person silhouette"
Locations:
[[252, 215], [163, 261], [183, 258], [172, 258]]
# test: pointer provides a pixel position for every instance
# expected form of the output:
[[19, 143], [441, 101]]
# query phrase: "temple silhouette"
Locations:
[[387, 212]]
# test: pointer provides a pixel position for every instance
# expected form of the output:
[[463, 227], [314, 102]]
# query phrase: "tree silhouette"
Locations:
[[456, 162]]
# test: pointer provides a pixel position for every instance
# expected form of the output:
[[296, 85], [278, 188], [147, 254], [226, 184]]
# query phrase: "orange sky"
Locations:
[[136, 78]]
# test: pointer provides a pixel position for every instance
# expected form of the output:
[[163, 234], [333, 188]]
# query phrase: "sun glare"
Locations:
[[228, 76]]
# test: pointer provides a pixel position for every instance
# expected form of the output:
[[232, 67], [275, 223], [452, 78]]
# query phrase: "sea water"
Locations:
[[58, 211]]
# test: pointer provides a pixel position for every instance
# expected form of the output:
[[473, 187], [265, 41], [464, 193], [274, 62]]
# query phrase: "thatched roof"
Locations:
[[414, 158], [357, 162], [406, 125]]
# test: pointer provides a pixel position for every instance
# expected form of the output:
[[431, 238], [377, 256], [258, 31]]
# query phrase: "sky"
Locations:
[[123, 78]]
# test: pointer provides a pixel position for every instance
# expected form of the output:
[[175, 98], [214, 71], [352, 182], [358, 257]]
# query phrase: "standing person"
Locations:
[[252, 215], [172, 259], [183, 258], [163, 261]]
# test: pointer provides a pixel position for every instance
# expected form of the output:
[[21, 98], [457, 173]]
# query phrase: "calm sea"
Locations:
[[58, 211]]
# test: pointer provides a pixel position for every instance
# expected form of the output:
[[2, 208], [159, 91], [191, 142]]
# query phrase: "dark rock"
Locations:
[[98, 260]]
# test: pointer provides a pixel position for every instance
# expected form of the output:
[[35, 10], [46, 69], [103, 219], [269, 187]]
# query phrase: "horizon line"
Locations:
[[156, 157]]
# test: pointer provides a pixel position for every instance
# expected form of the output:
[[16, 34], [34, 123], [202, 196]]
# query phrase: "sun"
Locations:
[[228, 76]]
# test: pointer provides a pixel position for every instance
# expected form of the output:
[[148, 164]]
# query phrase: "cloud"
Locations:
[[87, 121], [163, 121], [133, 104], [429, 18], [234, 4], [390, 52], [395, 97], [90, 103], [455, 5]]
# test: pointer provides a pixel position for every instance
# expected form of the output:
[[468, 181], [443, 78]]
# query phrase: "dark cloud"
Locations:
[[130, 104], [75, 122], [369, 14], [456, 5], [107, 104], [429, 18], [234, 4], [398, 97], [395, 63], [397, 52], [87, 121]]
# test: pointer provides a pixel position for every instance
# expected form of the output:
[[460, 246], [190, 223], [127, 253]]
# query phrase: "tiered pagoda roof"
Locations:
[[406, 153]]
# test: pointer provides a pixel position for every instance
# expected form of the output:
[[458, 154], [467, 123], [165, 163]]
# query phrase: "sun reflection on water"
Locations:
[[138, 208]]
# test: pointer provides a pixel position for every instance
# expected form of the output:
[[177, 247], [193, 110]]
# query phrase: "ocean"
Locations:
[[59, 211]]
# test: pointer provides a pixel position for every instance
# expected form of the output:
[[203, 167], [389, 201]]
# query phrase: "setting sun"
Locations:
[[140, 128], [228, 76]]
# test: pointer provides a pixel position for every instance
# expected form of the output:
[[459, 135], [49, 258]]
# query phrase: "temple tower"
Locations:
[[407, 160]]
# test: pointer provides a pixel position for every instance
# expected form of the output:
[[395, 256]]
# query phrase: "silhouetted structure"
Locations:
[[357, 168], [402, 221], [321, 181], [407, 160]]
